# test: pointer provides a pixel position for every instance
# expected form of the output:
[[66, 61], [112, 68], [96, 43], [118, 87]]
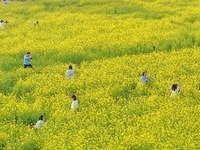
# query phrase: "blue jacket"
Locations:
[[27, 60]]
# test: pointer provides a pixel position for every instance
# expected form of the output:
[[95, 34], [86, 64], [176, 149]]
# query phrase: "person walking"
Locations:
[[27, 59]]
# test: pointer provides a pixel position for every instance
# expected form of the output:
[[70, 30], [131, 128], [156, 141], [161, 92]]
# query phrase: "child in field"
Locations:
[[27, 59], [175, 89], [74, 105], [69, 72], [40, 122], [144, 77]]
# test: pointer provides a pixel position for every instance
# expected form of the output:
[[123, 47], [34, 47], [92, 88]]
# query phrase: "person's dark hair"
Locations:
[[28, 52], [143, 73], [174, 87], [74, 97], [70, 66], [41, 117]]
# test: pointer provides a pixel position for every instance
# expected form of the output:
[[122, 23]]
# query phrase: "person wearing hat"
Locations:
[[27, 59]]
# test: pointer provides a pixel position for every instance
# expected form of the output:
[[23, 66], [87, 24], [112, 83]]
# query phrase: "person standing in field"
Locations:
[[175, 89], [74, 105], [27, 59], [40, 122], [69, 72], [144, 77]]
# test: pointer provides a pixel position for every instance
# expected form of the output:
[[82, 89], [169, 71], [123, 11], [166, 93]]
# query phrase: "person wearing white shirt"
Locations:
[[2, 23], [40, 122], [69, 72], [175, 89], [74, 105]]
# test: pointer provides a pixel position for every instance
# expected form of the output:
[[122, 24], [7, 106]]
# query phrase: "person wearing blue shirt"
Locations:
[[144, 77], [27, 59]]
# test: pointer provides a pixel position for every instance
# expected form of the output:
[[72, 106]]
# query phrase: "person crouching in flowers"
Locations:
[[144, 77], [175, 89], [74, 105], [40, 122], [69, 72]]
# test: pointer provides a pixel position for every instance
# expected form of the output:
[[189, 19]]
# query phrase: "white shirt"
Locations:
[[39, 124], [177, 90], [69, 73], [74, 105], [2, 24]]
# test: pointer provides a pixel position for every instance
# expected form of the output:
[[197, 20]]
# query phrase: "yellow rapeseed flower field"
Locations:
[[109, 43]]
